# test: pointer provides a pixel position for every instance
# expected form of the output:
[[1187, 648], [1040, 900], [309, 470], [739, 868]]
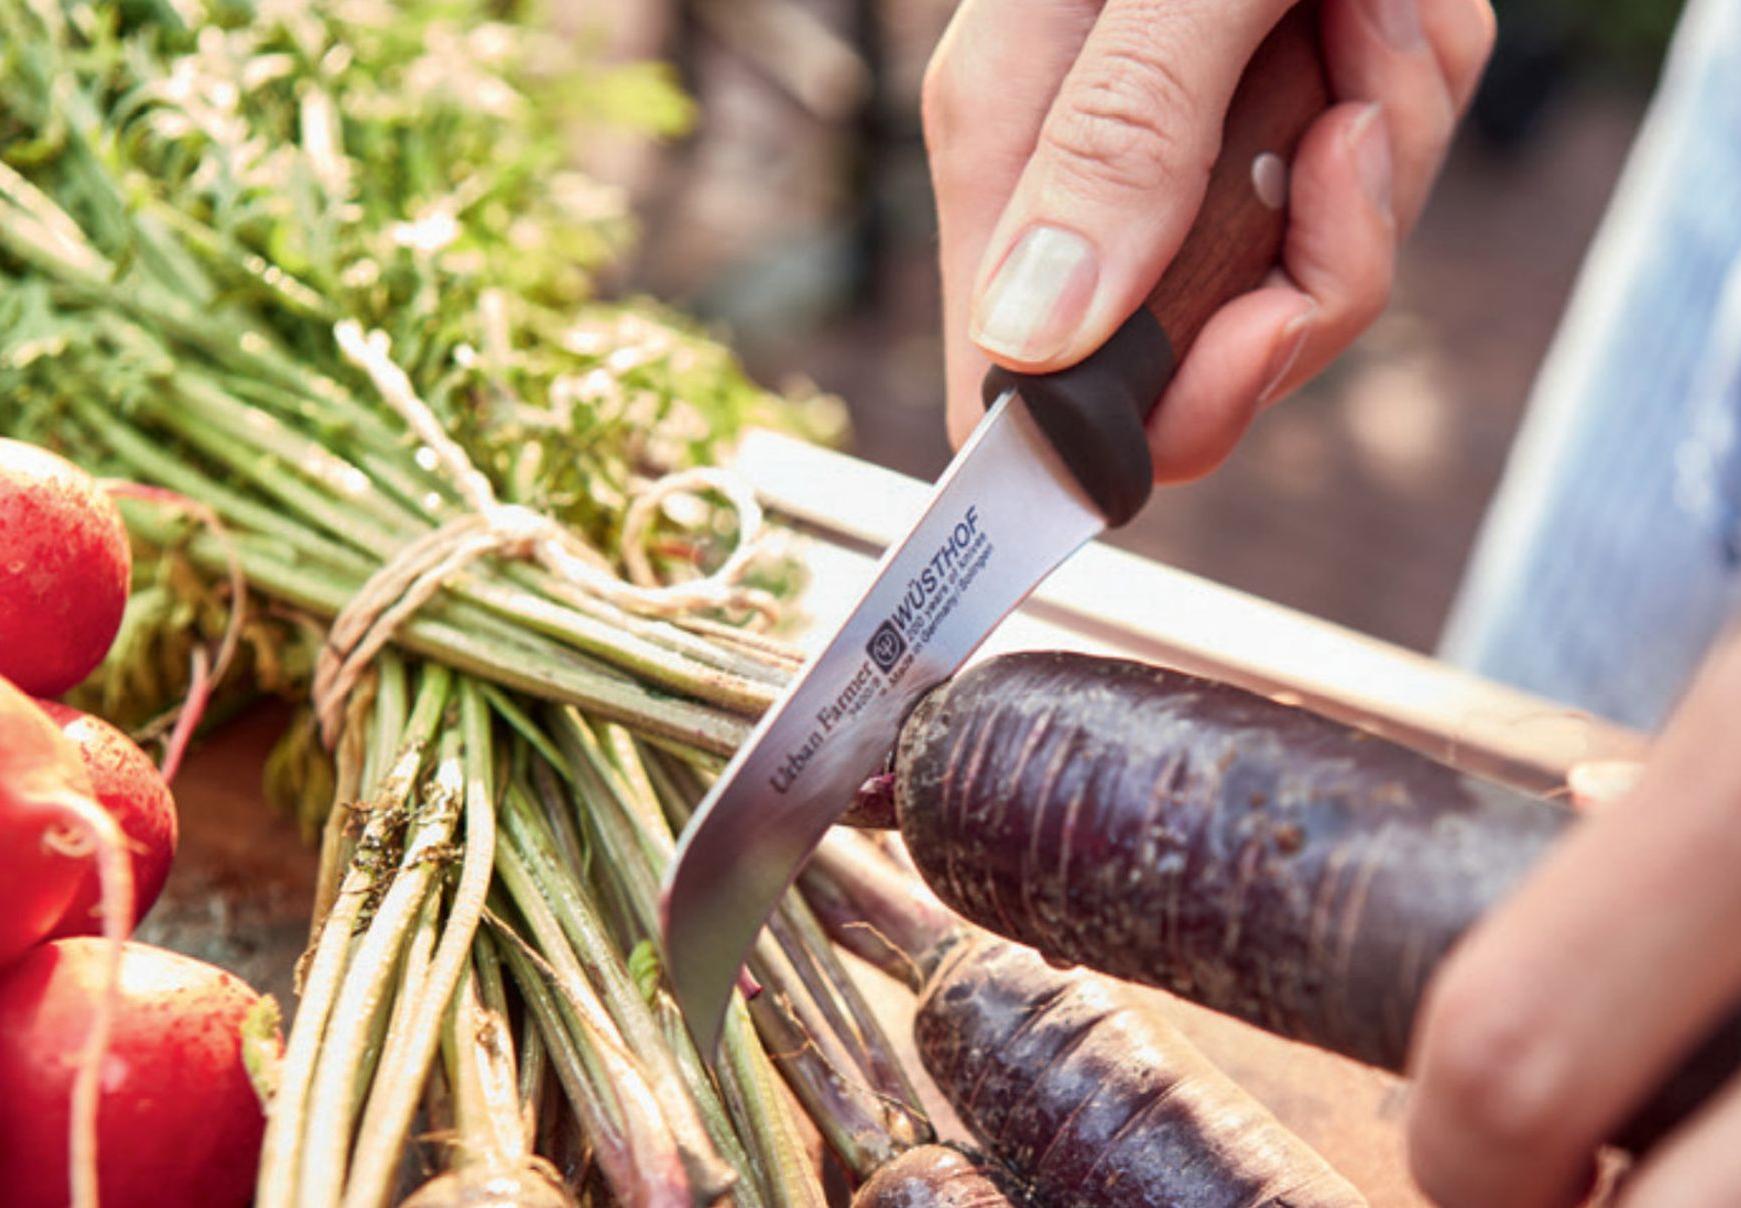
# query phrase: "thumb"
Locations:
[[1116, 177]]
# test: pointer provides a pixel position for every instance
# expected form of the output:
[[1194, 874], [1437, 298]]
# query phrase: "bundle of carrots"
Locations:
[[318, 372]]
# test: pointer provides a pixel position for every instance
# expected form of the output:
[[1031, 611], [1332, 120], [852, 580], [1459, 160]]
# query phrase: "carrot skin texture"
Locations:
[[937, 1176], [179, 1122], [1252, 857], [1007, 1037], [1099, 1103]]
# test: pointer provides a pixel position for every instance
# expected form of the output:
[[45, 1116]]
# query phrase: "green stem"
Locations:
[[539, 669], [238, 266], [633, 1145], [387, 455], [748, 1193], [370, 982], [388, 1117], [850, 1017], [163, 467], [523, 724], [533, 1062], [479, 1060], [535, 864], [760, 1104], [628, 918], [749, 665], [636, 845], [268, 472], [386, 1049], [844, 1108], [635, 855], [875, 909], [617, 646], [362, 750], [205, 404], [343, 501], [280, 1158], [587, 1003], [339, 498], [560, 815]]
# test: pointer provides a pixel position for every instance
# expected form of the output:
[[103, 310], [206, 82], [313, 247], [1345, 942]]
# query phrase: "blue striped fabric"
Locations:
[[1607, 563]]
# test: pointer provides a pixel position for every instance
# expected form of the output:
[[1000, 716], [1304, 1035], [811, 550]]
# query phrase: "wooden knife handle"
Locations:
[[1094, 412], [1238, 235]]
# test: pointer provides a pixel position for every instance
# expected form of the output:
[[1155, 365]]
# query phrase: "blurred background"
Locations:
[[796, 216]]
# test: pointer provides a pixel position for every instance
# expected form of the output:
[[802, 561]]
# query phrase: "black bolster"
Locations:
[[1093, 412]]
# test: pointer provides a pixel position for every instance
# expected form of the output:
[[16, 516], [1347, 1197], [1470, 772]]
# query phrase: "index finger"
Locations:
[[987, 90]]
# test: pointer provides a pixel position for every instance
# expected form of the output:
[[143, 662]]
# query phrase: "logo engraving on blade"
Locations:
[[886, 646], [932, 594]]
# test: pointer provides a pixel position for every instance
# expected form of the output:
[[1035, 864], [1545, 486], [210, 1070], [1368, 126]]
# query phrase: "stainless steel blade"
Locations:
[[1004, 514]]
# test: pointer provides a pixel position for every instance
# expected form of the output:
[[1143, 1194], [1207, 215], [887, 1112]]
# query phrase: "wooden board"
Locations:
[[241, 886], [239, 892]]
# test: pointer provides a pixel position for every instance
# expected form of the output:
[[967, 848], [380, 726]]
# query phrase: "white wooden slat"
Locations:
[[1107, 600]]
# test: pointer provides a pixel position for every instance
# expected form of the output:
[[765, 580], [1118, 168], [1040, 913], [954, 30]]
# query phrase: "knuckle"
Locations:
[[1488, 1069], [1127, 123], [1353, 285], [1353, 288]]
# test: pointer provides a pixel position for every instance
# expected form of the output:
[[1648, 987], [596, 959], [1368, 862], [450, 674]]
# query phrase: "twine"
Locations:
[[413, 575]]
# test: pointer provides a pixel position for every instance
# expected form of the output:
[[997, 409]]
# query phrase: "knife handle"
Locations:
[[1093, 412]]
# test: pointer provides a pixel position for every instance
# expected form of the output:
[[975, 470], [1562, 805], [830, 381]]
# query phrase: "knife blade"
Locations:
[[1057, 459], [1004, 513]]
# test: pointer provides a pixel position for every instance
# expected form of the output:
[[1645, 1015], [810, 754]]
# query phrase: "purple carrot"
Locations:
[[1251, 856]]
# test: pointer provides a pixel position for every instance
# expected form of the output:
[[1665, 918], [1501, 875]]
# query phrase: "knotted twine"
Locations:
[[412, 576]]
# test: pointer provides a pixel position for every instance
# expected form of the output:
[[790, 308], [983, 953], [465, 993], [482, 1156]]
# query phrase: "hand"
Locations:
[[1070, 145], [1562, 1011]]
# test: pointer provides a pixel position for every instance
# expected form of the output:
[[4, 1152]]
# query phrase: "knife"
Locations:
[[1057, 459]]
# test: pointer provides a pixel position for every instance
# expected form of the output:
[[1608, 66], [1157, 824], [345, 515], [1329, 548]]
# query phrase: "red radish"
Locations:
[[64, 570], [41, 775], [49, 826], [179, 1121], [127, 784]]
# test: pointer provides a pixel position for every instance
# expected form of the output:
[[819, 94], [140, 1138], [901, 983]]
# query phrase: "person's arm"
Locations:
[[1070, 142], [1559, 1013]]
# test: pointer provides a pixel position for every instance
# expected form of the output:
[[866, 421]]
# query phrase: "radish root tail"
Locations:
[[205, 670], [115, 879]]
